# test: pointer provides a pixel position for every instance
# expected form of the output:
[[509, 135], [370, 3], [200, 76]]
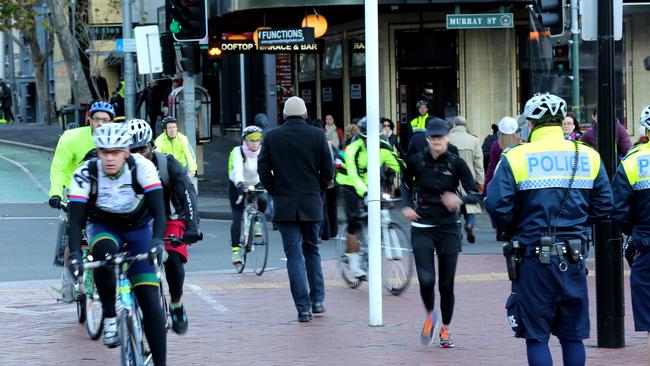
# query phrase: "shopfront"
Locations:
[[481, 74]]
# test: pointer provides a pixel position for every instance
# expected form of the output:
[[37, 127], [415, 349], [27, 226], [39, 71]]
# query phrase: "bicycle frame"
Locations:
[[126, 306]]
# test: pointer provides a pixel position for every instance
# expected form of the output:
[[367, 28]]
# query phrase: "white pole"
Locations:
[[374, 204], [242, 85], [189, 117]]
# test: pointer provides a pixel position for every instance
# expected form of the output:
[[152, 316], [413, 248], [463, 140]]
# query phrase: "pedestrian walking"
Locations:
[[469, 149], [631, 211], [332, 132], [487, 146], [507, 137], [152, 100], [295, 166], [418, 142], [6, 101], [100, 90], [432, 205], [544, 196]]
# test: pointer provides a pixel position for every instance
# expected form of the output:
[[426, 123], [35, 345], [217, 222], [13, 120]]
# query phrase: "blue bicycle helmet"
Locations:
[[101, 106]]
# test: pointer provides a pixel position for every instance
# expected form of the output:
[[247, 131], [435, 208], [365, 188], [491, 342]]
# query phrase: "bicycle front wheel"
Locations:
[[244, 247], [258, 239], [93, 308], [130, 346], [397, 259]]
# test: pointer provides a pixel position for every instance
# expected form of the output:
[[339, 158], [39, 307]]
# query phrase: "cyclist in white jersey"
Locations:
[[119, 194]]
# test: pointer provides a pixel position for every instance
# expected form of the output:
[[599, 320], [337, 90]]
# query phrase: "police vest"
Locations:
[[637, 168], [548, 163]]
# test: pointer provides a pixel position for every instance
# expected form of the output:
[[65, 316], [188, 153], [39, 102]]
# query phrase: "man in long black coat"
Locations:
[[295, 166]]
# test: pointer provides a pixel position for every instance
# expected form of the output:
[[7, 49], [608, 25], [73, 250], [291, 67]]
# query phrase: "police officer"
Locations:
[[419, 123], [631, 186], [544, 196]]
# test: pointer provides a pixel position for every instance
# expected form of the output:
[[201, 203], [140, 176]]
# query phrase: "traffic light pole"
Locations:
[[607, 236], [129, 67], [575, 59]]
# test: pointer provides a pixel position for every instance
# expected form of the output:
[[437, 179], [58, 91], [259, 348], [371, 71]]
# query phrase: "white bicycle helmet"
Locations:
[[645, 117], [112, 136], [545, 106], [140, 132]]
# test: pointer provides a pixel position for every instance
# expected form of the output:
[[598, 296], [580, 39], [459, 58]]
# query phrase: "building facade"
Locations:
[[482, 74]]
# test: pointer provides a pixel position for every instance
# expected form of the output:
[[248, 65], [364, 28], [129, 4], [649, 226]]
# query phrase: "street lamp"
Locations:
[[318, 22]]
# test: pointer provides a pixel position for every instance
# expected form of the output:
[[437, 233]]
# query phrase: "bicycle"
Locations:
[[254, 237], [132, 347], [89, 306], [397, 255]]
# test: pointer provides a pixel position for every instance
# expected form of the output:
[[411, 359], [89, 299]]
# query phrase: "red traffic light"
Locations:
[[560, 51]]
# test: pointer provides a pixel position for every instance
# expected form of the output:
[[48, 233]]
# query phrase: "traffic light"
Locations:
[[551, 15], [212, 60], [561, 60], [187, 19], [168, 53], [191, 54]]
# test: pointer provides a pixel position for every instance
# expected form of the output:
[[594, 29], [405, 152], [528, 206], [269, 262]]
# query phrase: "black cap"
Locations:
[[436, 127]]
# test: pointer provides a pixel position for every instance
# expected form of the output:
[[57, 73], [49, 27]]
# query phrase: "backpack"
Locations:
[[163, 171], [93, 171]]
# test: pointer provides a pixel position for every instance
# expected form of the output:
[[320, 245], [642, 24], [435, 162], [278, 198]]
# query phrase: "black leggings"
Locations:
[[175, 274], [153, 319], [238, 212], [425, 244]]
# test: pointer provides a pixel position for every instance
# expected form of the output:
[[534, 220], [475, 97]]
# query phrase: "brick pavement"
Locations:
[[249, 320]]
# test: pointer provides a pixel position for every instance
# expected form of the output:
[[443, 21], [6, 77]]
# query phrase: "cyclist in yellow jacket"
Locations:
[[74, 146], [354, 180], [172, 142]]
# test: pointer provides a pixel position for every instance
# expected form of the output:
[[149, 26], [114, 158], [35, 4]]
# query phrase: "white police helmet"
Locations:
[[645, 117], [112, 136], [545, 107]]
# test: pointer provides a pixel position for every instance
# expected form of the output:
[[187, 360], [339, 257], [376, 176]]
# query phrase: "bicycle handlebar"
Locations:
[[249, 190]]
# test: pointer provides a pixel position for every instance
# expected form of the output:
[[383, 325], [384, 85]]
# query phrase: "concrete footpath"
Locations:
[[249, 320]]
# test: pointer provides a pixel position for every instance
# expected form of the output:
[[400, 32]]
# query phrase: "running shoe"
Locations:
[[236, 256], [179, 319], [445, 338], [111, 336], [469, 230], [354, 260], [427, 330]]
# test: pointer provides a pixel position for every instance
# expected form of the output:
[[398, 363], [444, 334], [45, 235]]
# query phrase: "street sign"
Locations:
[[589, 12], [480, 21], [147, 42], [290, 36], [125, 45]]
